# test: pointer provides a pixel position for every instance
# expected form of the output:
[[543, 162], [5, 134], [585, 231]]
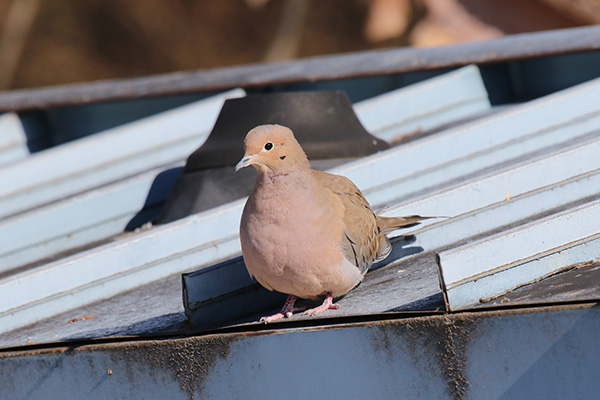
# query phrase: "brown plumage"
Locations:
[[303, 232]]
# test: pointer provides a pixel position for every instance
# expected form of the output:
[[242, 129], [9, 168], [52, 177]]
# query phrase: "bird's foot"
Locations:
[[328, 304], [287, 311]]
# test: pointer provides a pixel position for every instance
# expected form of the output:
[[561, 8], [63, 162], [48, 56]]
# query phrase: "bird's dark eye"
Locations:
[[268, 146]]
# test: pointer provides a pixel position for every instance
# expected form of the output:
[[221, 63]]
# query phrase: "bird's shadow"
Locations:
[[401, 248]]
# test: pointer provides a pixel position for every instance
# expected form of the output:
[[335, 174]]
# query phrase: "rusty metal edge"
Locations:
[[253, 329], [331, 67]]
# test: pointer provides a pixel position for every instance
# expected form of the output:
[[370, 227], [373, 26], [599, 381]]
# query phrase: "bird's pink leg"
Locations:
[[327, 305], [287, 310]]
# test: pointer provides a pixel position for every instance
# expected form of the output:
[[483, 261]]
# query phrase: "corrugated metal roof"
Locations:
[[200, 240], [517, 184]]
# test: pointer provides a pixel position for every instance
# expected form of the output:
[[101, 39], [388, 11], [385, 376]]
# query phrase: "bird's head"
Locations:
[[272, 148]]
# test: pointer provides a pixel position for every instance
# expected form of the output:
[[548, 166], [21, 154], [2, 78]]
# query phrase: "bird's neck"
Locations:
[[278, 185], [272, 179]]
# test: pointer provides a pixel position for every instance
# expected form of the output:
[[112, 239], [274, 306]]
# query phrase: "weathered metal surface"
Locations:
[[156, 307], [13, 143], [115, 154], [579, 283], [369, 63], [425, 106], [152, 309], [522, 354], [497, 264]]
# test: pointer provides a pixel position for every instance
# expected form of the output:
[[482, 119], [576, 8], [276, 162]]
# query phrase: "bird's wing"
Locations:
[[363, 241]]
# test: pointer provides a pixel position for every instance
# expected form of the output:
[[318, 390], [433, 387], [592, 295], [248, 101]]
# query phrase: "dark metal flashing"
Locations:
[[361, 64], [224, 294]]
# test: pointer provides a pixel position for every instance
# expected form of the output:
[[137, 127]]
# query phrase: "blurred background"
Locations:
[[49, 42]]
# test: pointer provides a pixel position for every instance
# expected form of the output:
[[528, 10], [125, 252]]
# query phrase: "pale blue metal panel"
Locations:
[[455, 153], [426, 105], [493, 284], [105, 157], [500, 251], [518, 209], [497, 264], [532, 186], [13, 142], [119, 266], [76, 221]]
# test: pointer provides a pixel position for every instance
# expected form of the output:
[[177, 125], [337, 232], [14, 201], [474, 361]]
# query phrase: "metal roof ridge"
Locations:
[[309, 69]]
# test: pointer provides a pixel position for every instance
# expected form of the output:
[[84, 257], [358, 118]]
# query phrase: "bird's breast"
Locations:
[[292, 246]]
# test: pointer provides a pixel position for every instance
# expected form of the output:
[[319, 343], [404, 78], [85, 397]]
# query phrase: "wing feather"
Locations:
[[363, 241]]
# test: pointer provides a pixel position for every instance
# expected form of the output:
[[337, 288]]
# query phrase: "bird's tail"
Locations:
[[389, 224]]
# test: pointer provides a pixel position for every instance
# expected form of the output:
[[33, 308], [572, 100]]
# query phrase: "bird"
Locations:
[[303, 232]]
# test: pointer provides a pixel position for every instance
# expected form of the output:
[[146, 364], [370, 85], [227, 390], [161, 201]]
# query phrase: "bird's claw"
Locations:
[[328, 304], [270, 318], [320, 309], [286, 312]]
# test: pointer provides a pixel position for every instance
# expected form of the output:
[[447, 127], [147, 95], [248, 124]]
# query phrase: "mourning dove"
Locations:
[[303, 232]]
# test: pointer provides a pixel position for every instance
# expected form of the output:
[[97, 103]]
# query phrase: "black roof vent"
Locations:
[[324, 123]]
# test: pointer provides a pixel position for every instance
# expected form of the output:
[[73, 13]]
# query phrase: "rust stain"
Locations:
[[400, 138], [445, 339], [81, 318], [453, 339]]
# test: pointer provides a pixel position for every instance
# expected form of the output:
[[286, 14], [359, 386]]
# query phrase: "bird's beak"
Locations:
[[244, 162]]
